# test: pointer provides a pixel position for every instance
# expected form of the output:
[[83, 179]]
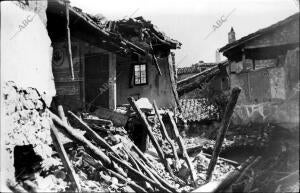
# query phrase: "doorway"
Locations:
[[96, 80]]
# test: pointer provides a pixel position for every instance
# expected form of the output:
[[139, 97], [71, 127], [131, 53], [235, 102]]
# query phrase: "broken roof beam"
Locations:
[[114, 40], [195, 81]]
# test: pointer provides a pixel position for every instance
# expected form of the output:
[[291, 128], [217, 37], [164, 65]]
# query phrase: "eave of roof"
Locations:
[[195, 68], [117, 41], [259, 33]]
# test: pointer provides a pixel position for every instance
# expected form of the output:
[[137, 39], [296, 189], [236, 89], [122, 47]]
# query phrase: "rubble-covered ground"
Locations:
[[35, 165]]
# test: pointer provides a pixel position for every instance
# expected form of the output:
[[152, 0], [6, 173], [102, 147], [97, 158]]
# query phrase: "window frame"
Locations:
[[134, 74]]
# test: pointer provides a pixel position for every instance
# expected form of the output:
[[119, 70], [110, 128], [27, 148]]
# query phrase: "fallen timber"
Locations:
[[136, 170], [229, 179], [222, 131], [165, 135], [195, 81], [149, 130], [109, 162]]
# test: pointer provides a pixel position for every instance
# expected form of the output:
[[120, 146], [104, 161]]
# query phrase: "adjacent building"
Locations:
[[265, 64]]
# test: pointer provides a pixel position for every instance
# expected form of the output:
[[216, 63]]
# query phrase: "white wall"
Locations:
[[26, 55], [26, 51]]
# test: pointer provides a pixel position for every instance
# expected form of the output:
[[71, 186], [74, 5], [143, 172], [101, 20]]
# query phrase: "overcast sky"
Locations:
[[191, 21]]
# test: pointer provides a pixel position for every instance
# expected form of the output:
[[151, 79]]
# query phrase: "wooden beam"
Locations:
[[112, 81], [195, 81], [182, 148], [99, 154], [144, 121], [139, 174], [64, 157], [95, 136], [155, 60], [173, 82], [69, 46], [165, 135], [222, 131], [221, 185]]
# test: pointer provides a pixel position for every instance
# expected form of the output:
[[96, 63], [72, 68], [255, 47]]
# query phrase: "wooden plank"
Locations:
[[112, 90], [141, 175], [99, 154], [165, 135], [173, 84], [67, 2], [95, 136], [221, 185], [222, 131], [144, 121], [64, 157], [182, 148]]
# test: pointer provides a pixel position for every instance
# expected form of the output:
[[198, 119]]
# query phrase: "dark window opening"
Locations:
[[140, 74]]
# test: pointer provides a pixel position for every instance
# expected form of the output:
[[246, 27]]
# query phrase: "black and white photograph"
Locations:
[[177, 96]]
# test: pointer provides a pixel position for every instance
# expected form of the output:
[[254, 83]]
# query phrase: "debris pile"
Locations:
[[257, 136], [278, 173], [85, 153]]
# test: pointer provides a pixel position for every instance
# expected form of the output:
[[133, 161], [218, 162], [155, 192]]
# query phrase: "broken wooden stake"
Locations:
[[61, 114], [166, 136], [216, 186], [143, 119], [139, 174], [222, 131], [97, 138], [182, 148], [81, 139], [64, 157], [251, 165]]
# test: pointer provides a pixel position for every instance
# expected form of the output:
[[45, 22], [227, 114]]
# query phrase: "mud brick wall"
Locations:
[[25, 123]]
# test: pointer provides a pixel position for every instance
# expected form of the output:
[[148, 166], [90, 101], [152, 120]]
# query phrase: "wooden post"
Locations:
[[99, 154], [64, 157], [173, 82], [222, 131], [61, 114], [142, 117], [182, 148], [112, 82], [95, 136], [155, 60], [221, 185], [69, 46], [166, 136]]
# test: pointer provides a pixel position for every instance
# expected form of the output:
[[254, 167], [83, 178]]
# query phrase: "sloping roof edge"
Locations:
[[117, 40], [259, 32]]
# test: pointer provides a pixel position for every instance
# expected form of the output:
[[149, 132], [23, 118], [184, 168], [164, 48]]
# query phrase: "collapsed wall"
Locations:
[[27, 85], [26, 128]]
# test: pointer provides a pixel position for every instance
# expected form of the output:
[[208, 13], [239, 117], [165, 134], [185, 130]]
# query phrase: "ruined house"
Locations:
[[203, 90], [265, 64], [112, 60]]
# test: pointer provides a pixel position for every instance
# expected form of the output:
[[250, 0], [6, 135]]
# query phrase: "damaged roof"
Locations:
[[259, 33], [145, 29], [195, 68], [133, 34]]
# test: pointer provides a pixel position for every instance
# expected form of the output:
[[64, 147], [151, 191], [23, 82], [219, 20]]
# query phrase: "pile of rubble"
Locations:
[[85, 153]]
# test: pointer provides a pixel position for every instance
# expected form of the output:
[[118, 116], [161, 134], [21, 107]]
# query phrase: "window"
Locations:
[[140, 74]]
